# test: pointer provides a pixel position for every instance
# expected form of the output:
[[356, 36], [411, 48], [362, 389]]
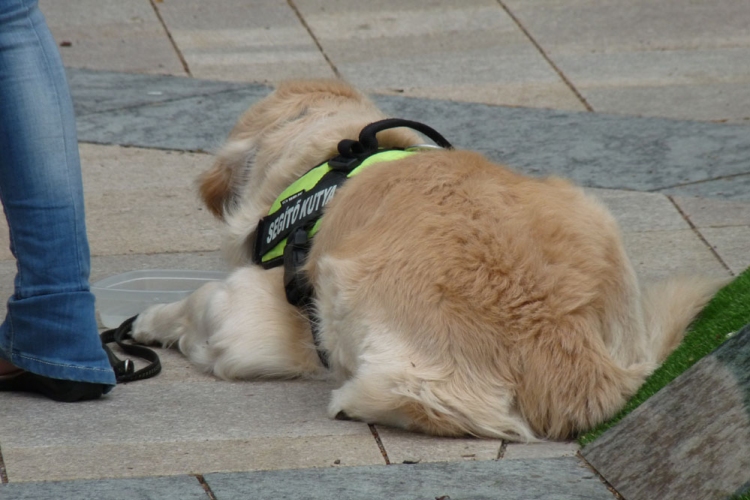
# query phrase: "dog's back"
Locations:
[[488, 293]]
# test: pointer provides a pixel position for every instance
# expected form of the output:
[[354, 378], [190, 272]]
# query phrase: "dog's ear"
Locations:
[[215, 186], [221, 184]]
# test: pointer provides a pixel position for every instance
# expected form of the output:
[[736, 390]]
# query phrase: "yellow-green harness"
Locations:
[[303, 202], [284, 235]]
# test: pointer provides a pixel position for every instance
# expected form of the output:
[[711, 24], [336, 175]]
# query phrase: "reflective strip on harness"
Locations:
[[302, 203]]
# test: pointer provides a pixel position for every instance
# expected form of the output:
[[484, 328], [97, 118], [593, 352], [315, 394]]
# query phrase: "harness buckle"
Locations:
[[351, 154], [343, 163]]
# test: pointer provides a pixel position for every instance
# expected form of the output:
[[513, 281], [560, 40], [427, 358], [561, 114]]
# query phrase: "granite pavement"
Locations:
[[644, 103]]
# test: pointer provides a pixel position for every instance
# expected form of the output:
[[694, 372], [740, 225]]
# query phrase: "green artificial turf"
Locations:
[[727, 312]]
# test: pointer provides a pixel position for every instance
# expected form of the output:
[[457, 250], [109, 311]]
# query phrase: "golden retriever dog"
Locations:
[[453, 296]]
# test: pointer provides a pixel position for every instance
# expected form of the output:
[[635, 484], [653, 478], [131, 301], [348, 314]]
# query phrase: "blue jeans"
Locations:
[[50, 328]]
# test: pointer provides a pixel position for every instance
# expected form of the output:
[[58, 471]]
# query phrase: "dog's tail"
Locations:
[[670, 306], [219, 186]]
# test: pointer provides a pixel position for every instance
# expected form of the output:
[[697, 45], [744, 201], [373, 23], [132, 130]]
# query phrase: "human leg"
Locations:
[[50, 328]]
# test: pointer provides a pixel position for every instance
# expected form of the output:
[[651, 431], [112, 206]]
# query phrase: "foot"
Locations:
[[67, 391], [7, 369]]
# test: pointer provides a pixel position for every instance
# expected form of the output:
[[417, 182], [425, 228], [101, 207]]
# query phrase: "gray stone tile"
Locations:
[[193, 425], [636, 211], [228, 40], [691, 439], [558, 479], [111, 35], [736, 187], [708, 212], [98, 91], [145, 201], [517, 451], [659, 254], [162, 488], [732, 244], [199, 123], [408, 447], [593, 150], [469, 52]]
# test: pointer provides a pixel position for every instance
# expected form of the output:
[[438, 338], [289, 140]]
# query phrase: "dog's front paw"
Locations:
[[338, 408], [146, 328]]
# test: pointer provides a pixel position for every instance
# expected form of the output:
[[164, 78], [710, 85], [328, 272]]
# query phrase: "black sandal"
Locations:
[[68, 391]]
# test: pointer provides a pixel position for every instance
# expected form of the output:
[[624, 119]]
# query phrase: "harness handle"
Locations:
[[370, 143]]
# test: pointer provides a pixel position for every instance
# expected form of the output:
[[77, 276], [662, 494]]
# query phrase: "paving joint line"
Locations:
[[3, 471], [700, 235], [198, 151], [546, 57], [314, 38], [169, 36], [205, 486], [606, 483], [379, 442], [501, 450], [693, 183]]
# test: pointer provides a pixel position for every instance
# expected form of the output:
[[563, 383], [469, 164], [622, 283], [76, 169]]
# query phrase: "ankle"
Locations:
[[6, 367]]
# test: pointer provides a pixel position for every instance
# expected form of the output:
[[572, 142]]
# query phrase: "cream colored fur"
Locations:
[[454, 296]]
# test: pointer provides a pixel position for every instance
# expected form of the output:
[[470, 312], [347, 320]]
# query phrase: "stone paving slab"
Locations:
[[549, 479], [99, 91], [691, 440], [707, 212], [639, 212], [469, 51], [659, 83], [111, 35], [141, 201], [199, 123], [642, 154], [660, 254], [203, 410], [732, 243], [408, 447], [670, 58], [139, 459], [725, 225], [593, 150], [230, 40], [170, 426], [517, 451], [161, 488]]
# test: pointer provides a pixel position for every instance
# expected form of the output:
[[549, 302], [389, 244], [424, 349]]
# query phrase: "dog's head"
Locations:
[[295, 128]]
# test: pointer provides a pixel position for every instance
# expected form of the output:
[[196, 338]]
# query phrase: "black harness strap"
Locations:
[[125, 369], [304, 207]]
